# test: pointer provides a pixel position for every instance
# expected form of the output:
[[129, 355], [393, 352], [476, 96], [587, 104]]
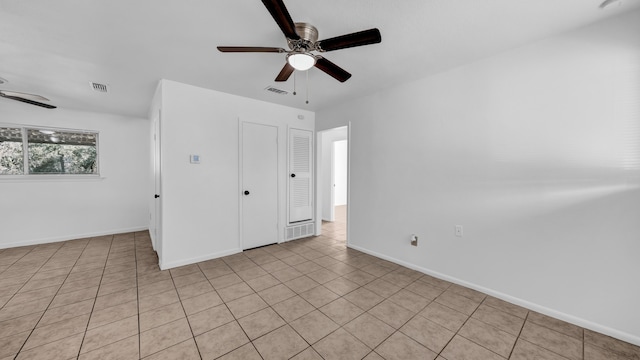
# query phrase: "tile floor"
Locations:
[[105, 298]]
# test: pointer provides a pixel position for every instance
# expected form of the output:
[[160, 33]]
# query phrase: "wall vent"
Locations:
[[299, 231], [99, 87], [276, 90]]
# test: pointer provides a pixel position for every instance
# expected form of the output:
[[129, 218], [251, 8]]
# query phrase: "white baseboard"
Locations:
[[174, 264], [632, 339], [70, 237]]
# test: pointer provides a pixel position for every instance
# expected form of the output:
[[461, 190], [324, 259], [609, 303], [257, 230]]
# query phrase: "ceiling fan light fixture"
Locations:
[[301, 61]]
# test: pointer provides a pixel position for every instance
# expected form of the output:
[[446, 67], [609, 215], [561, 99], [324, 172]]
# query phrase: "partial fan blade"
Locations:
[[332, 69], [281, 16], [286, 71], [250, 49], [366, 37], [32, 102], [33, 97]]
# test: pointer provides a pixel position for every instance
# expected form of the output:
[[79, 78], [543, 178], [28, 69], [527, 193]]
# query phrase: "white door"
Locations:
[[156, 218], [259, 185], [300, 175]]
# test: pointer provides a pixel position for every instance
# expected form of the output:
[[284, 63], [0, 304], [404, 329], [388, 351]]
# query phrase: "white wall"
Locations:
[[340, 172], [201, 202], [39, 210], [536, 152]]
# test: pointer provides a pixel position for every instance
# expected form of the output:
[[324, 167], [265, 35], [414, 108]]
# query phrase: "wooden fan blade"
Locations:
[[332, 69], [243, 49], [366, 37], [286, 71], [283, 19], [24, 100]]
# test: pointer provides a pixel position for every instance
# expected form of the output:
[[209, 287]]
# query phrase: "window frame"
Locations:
[[24, 129]]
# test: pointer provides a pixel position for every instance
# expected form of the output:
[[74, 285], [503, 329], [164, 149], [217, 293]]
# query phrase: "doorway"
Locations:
[[259, 185], [332, 189]]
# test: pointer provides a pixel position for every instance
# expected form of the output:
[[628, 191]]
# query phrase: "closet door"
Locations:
[[300, 175]]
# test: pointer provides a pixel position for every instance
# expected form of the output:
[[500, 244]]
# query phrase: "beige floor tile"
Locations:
[[261, 322], [61, 349], [184, 280], [163, 337], [323, 275], [66, 312], [341, 345], [293, 308], [42, 293], [184, 270], [499, 319], [116, 286], [307, 267], [235, 291], [369, 330], [461, 348], [154, 288], [10, 345], [359, 277], [57, 331], [225, 281], [341, 311], [500, 342], [391, 313], [194, 289], [201, 302], [341, 286], [12, 312], [246, 305], [116, 298], [433, 336], [263, 282], [425, 290], [158, 300], [221, 340], [555, 324], [186, 350], [20, 324], [525, 350], [286, 274], [363, 298], [592, 352], [409, 300], [559, 343], [444, 316], [118, 276], [468, 293], [282, 343], [397, 279], [245, 352], [127, 349], [308, 354], [108, 334], [457, 302], [314, 326], [161, 316], [209, 319], [400, 346], [252, 273], [276, 294], [112, 314], [319, 296], [273, 266], [509, 308], [382, 288], [216, 271], [611, 344], [376, 270], [301, 284]]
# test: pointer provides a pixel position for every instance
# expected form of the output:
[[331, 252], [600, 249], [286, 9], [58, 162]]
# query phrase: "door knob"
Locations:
[[156, 196], [246, 192], [293, 175]]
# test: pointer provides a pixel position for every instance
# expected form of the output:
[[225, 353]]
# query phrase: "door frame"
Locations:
[[156, 236], [240, 180], [320, 174]]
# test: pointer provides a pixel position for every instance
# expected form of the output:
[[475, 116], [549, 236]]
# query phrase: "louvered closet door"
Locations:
[[300, 175]]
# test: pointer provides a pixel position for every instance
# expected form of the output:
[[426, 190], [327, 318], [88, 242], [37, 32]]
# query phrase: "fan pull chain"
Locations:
[[294, 82], [307, 87]]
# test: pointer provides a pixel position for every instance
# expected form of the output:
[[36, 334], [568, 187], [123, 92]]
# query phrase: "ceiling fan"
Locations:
[[302, 39], [32, 99]]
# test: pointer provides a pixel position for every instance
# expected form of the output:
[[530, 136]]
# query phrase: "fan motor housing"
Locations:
[[308, 37]]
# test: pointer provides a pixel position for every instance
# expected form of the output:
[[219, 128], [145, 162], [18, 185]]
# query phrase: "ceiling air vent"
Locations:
[[276, 90], [99, 87]]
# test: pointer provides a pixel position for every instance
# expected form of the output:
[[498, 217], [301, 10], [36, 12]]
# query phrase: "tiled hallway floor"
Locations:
[[105, 298]]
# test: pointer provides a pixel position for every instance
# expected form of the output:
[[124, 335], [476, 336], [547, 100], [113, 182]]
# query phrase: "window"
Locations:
[[48, 151]]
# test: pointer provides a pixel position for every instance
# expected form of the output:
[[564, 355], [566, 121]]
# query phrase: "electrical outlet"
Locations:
[[459, 230], [414, 240]]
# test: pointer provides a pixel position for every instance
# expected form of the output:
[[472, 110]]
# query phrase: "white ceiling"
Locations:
[[55, 48]]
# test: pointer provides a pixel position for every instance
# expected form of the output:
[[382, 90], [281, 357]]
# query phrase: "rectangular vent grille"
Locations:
[[300, 231], [276, 90], [99, 87]]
